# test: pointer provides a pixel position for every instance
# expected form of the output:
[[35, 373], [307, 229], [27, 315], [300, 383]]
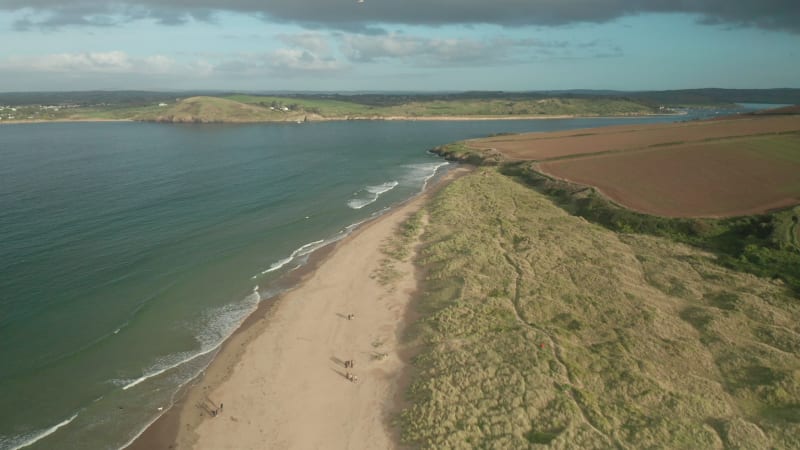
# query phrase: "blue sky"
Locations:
[[306, 46]]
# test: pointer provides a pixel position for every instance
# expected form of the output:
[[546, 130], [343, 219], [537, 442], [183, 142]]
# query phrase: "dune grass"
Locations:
[[542, 330], [398, 249]]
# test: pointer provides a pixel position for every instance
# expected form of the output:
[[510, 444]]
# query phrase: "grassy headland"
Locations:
[[256, 108], [151, 106], [543, 330]]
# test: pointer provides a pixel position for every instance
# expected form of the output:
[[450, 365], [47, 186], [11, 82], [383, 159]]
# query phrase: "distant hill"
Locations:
[[213, 110], [718, 96], [89, 98], [667, 97], [218, 106]]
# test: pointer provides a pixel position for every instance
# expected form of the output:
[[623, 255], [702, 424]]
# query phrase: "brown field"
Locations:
[[711, 179], [543, 146], [718, 168]]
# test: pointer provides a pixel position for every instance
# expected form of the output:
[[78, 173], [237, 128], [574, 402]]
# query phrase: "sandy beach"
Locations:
[[280, 383]]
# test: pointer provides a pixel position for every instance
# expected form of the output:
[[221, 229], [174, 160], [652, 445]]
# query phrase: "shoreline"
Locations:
[[350, 118], [184, 424], [23, 122]]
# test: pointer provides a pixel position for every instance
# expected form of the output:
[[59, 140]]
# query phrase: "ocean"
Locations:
[[130, 251]]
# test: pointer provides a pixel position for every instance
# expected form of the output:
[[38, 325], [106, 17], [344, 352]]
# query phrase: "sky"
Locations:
[[398, 45]]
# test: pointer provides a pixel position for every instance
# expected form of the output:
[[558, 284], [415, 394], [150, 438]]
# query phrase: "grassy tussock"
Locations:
[[541, 330], [397, 249]]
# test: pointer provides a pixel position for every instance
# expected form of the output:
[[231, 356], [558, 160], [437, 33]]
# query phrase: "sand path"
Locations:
[[286, 389]]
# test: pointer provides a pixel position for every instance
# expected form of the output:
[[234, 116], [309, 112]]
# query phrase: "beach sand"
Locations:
[[282, 379]]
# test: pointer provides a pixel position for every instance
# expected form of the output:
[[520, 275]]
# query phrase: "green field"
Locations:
[[542, 330]]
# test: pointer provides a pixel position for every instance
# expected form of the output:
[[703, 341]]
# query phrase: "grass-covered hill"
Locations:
[[249, 108], [263, 108], [540, 329], [144, 105], [212, 110], [423, 106]]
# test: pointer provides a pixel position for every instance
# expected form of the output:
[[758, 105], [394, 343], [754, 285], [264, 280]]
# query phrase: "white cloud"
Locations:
[[316, 43], [302, 60], [109, 64], [91, 62], [426, 52]]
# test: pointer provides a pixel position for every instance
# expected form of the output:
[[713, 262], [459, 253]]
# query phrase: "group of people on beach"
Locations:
[[216, 411], [350, 363]]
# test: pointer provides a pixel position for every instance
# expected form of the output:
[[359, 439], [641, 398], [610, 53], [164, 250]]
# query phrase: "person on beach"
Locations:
[[220, 407]]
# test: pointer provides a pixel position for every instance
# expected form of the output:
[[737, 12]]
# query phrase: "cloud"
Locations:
[[115, 61], [280, 62], [458, 52], [111, 63], [314, 42], [296, 60], [367, 16]]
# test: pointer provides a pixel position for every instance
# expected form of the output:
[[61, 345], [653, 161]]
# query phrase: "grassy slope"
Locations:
[[210, 109], [473, 107], [251, 108], [543, 329]]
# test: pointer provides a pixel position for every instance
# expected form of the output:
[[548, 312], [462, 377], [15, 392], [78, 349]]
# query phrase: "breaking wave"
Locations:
[[370, 194]]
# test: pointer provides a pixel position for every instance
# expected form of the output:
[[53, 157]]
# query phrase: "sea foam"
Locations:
[[32, 438], [217, 325], [370, 194], [300, 252], [422, 173]]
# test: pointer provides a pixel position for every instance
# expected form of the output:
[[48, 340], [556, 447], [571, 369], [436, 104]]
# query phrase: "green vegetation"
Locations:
[[271, 108], [209, 110], [143, 105], [424, 107], [462, 152], [397, 249], [542, 330], [718, 97], [259, 108]]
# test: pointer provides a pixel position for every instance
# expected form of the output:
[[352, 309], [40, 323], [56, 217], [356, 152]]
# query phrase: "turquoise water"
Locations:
[[129, 251]]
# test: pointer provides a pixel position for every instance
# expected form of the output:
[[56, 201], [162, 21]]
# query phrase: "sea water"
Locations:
[[130, 251]]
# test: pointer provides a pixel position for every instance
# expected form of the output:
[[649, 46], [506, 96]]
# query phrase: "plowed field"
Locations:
[[695, 169], [543, 146]]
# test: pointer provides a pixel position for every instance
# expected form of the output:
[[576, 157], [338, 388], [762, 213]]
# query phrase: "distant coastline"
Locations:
[[344, 119], [239, 108], [22, 122]]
